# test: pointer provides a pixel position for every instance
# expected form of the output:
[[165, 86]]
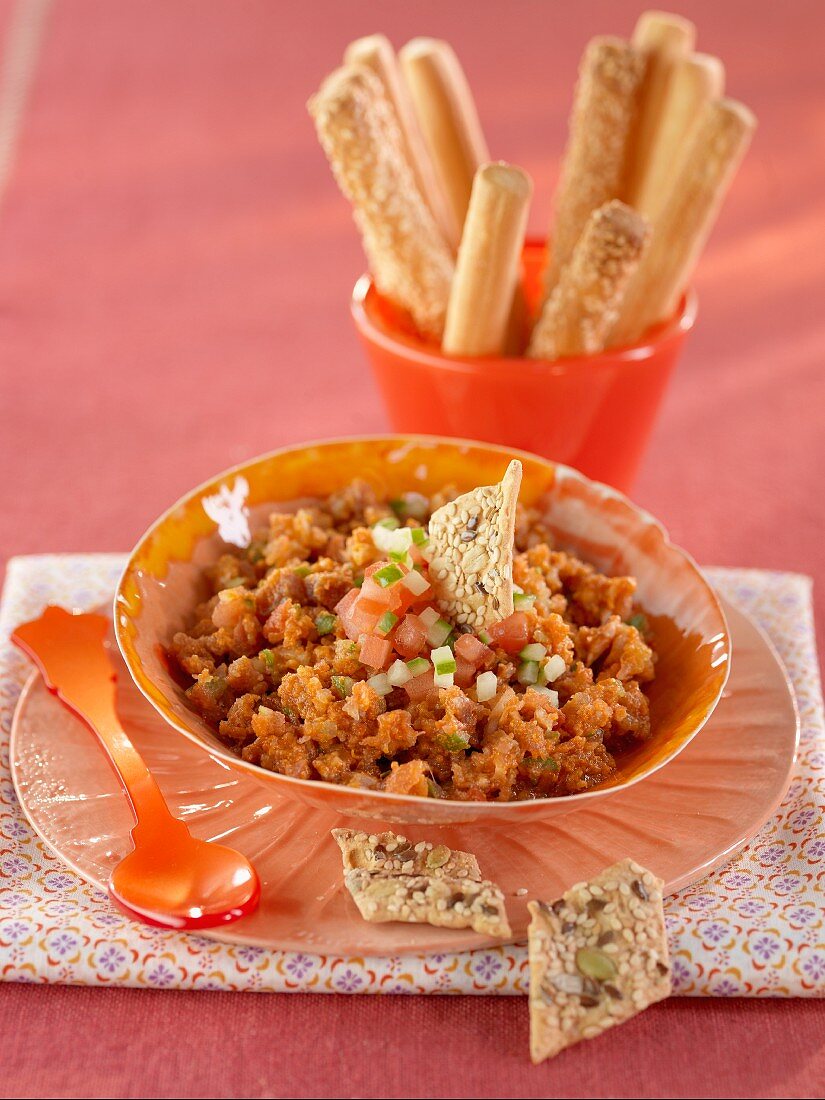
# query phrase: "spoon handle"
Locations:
[[70, 652]]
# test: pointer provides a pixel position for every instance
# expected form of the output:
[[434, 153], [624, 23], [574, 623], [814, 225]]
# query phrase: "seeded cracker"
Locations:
[[420, 899], [598, 956], [471, 552], [390, 854]]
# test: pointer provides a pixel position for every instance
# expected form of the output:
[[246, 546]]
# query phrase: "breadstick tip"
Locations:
[[507, 176]]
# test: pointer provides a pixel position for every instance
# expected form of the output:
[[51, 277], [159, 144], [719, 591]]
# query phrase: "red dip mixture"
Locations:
[[320, 654]]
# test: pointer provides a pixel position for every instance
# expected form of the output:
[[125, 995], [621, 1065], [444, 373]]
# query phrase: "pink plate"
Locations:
[[681, 822]]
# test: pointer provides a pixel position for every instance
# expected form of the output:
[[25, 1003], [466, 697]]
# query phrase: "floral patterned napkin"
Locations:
[[754, 928]]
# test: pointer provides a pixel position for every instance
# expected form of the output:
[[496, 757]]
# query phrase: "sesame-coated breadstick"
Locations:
[[376, 53], [662, 40], [718, 144], [449, 121], [410, 262], [487, 270], [583, 307], [594, 169]]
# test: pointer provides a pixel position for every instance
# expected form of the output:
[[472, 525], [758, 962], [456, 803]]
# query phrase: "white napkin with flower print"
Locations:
[[756, 927]]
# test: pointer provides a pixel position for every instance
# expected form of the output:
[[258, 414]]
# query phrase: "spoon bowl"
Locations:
[[171, 878]]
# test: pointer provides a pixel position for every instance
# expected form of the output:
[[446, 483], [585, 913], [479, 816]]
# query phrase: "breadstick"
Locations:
[[695, 81], [409, 259], [716, 147], [447, 114], [487, 269], [663, 40], [583, 307], [604, 111], [376, 53]]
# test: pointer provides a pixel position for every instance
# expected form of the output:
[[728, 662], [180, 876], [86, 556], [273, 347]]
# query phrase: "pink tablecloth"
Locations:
[[174, 267]]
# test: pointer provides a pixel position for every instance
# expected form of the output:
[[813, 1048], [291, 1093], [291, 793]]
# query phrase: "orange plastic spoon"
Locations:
[[171, 879]]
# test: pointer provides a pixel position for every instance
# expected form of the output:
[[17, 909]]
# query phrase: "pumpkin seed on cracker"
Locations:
[[598, 956], [390, 853], [423, 899], [471, 552]]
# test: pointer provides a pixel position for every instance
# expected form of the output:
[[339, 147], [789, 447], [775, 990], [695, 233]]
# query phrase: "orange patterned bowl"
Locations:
[[162, 582]]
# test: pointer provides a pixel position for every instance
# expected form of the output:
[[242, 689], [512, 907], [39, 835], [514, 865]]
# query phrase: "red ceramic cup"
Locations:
[[593, 412]]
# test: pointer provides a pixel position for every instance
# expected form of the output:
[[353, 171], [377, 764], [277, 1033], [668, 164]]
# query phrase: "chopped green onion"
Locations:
[[522, 601], [402, 557], [235, 582], [390, 522], [434, 790], [325, 623], [399, 673], [553, 668], [215, 686], [454, 742], [302, 571], [396, 541], [343, 685], [444, 679], [639, 621], [420, 536], [548, 764], [418, 665], [358, 582], [380, 684], [528, 672], [429, 617], [386, 622], [533, 652], [269, 659], [486, 686], [443, 660], [415, 583], [439, 632], [483, 636], [387, 576]]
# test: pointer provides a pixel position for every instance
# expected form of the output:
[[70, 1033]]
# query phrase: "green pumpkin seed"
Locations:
[[438, 856], [595, 964]]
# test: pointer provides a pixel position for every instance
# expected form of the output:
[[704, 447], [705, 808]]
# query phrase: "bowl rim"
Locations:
[[410, 348], [141, 678]]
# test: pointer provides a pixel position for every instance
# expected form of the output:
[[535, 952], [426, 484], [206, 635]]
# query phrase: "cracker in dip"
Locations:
[[471, 552]]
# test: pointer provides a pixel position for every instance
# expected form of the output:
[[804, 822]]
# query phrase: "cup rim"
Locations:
[[410, 348]]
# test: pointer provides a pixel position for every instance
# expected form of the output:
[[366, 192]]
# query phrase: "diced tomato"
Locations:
[[465, 671], [512, 633], [375, 651], [382, 599], [420, 686], [355, 618], [472, 649], [376, 565], [409, 636]]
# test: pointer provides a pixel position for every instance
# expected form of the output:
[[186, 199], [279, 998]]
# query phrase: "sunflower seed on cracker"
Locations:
[[422, 899], [471, 552], [598, 956], [390, 853]]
